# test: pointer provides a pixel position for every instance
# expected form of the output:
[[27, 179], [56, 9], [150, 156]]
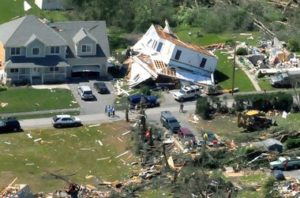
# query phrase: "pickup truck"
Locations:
[[169, 121], [285, 163]]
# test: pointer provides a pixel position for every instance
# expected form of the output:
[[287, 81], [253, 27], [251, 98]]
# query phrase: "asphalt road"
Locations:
[[293, 174]]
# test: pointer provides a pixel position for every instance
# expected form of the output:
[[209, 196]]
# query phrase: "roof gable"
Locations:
[[32, 39], [71, 32], [81, 34]]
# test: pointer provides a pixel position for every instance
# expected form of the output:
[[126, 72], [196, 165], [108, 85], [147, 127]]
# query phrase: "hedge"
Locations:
[[266, 101]]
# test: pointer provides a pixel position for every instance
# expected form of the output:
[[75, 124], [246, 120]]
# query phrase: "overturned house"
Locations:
[[161, 57]]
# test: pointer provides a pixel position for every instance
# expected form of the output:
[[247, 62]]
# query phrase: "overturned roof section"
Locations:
[[16, 33], [170, 37]]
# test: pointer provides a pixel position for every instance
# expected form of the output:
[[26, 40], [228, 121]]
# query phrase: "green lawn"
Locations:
[[223, 74], [74, 152], [28, 99], [208, 38], [10, 9]]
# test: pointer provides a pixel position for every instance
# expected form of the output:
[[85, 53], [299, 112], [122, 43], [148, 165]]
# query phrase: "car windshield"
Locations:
[[2, 123], [55, 118], [181, 91], [87, 92], [173, 121]]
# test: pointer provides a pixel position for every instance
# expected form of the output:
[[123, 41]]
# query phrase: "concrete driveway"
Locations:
[[96, 106]]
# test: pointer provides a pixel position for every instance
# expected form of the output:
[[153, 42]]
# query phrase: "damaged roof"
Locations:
[[172, 38]]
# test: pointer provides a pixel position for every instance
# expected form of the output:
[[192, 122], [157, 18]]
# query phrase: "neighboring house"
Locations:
[[191, 62], [38, 52], [50, 4], [269, 145]]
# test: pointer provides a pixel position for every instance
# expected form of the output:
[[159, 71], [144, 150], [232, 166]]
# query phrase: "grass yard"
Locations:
[[226, 128], [223, 74], [26, 99], [73, 153], [10, 9], [209, 38]]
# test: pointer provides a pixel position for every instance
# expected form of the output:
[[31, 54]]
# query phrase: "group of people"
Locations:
[[110, 110]]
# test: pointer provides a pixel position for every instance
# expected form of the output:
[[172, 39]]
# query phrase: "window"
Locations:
[[202, 64], [160, 44], [54, 50], [53, 69], [177, 55], [35, 51], [154, 44], [15, 51], [14, 70], [149, 41], [86, 48]]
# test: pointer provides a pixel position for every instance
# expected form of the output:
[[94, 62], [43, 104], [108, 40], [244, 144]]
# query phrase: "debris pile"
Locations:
[[289, 189]]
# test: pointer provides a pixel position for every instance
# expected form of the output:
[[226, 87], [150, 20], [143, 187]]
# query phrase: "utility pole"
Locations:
[[233, 70]]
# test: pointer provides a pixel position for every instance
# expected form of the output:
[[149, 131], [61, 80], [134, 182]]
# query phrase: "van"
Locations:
[[85, 93]]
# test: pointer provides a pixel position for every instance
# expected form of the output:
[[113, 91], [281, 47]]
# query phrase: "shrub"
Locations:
[[293, 45], [266, 101], [292, 143], [241, 51], [3, 88], [203, 108], [146, 90]]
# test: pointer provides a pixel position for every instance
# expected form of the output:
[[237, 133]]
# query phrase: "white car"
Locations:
[[85, 92], [66, 121], [187, 92]]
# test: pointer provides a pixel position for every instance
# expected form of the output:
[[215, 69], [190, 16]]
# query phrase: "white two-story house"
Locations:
[[191, 62], [37, 52]]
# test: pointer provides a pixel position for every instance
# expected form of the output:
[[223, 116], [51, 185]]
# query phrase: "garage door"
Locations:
[[86, 71]]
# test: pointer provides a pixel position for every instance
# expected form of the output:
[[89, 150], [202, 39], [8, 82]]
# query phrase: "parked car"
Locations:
[[285, 163], [187, 135], [66, 121], [9, 125], [148, 101], [169, 121], [101, 88], [85, 92], [187, 92]]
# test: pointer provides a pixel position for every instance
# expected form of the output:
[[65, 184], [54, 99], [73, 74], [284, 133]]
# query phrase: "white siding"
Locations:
[[193, 59]]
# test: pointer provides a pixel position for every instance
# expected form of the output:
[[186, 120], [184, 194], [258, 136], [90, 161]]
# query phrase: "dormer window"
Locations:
[[86, 48], [15, 51], [35, 51], [54, 50]]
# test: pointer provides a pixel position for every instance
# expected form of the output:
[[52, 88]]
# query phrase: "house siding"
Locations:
[[36, 44], [86, 41], [62, 51], [193, 59]]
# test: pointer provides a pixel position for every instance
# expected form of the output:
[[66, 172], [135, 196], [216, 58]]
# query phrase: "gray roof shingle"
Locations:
[[96, 30], [16, 33]]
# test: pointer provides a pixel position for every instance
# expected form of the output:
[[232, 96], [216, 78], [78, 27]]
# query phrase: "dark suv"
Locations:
[[101, 88], [148, 101], [9, 125], [169, 121]]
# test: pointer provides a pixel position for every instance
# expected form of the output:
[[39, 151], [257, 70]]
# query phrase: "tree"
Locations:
[[203, 108]]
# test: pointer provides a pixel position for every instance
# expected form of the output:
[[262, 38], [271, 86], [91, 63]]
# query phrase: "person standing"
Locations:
[[181, 108], [108, 110], [113, 111]]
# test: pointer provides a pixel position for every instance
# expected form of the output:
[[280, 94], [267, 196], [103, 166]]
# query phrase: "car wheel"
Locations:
[[58, 126], [16, 129], [295, 166]]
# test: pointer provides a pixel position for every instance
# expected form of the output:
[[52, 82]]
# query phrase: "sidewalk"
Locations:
[[40, 112]]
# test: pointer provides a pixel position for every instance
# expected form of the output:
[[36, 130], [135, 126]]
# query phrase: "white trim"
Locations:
[[87, 52]]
